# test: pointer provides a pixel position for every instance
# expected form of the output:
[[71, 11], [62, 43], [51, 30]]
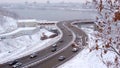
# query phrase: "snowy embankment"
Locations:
[[24, 45], [7, 24], [19, 42], [86, 59], [19, 32]]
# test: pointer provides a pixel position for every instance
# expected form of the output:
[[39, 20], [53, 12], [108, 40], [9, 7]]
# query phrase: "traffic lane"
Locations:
[[48, 62], [78, 32], [53, 61], [65, 36], [83, 35], [64, 32], [58, 48]]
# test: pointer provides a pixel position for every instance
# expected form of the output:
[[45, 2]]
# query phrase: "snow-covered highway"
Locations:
[[67, 51]]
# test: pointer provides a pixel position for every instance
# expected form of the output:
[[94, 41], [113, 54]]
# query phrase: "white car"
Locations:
[[61, 58], [17, 65], [74, 49], [33, 55], [55, 45]]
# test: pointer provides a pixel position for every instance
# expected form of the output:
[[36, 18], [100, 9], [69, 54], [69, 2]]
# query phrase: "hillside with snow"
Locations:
[[7, 24], [16, 42], [22, 41], [23, 45]]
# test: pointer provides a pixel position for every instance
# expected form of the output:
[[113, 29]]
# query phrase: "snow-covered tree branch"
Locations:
[[108, 25]]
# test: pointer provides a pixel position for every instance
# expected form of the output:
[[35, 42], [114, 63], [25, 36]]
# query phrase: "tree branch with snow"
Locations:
[[108, 26]]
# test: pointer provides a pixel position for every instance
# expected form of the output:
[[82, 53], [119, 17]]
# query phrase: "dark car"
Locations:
[[33, 55], [61, 41], [53, 49], [69, 35], [17, 65], [61, 58], [13, 62]]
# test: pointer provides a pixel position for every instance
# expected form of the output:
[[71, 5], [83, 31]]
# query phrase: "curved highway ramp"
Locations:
[[73, 37]]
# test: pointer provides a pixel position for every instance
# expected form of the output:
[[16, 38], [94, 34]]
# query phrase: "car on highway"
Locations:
[[17, 65], [69, 35], [13, 62], [53, 49], [61, 58], [55, 45], [61, 41], [33, 55], [74, 49]]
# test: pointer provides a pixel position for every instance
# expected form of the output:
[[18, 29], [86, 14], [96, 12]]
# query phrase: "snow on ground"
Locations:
[[23, 45], [7, 24], [36, 21], [86, 59], [18, 42], [18, 30], [27, 20]]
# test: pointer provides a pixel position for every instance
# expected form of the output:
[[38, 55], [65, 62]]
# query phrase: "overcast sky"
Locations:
[[41, 1]]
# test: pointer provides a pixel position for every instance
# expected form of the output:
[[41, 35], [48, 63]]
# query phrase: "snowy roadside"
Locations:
[[19, 32], [18, 42], [85, 59], [25, 45], [7, 24]]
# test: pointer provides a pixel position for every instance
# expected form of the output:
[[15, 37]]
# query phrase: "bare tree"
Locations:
[[108, 25]]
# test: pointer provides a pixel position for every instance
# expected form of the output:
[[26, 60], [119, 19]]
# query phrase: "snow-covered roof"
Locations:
[[27, 20], [37, 21], [45, 21], [46, 32]]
